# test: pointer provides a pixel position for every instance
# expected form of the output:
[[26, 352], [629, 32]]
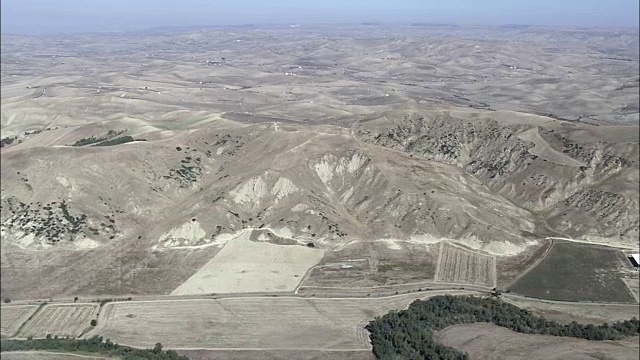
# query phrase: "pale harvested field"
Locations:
[[488, 341], [45, 355], [249, 266], [566, 312], [12, 316], [62, 320], [248, 323], [462, 266]]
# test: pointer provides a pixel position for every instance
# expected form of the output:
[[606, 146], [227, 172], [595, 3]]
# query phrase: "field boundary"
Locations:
[[438, 261], [595, 243]]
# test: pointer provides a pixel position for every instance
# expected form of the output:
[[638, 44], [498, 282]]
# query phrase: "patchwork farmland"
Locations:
[[13, 316], [62, 320], [459, 265], [577, 272]]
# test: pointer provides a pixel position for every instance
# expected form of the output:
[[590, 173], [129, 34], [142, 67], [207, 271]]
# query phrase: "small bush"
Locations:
[[94, 322], [7, 300]]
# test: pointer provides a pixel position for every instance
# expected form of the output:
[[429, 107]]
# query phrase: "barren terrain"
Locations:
[[285, 167]]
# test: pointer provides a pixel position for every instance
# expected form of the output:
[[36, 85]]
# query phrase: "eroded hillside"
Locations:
[[494, 181], [575, 182]]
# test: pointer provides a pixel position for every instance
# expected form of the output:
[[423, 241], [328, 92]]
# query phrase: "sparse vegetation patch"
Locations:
[[50, 222]]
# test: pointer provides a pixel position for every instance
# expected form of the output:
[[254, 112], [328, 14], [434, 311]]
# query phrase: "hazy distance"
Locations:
[[62, 16]]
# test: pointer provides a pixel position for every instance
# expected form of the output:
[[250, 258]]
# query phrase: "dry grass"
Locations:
[[586, 313], [248, 323], [462, 266], [13, 316], [62, 320], [46, 355], [488, 341]]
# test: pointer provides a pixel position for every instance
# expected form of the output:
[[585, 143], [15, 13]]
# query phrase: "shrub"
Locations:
[[94, 322]]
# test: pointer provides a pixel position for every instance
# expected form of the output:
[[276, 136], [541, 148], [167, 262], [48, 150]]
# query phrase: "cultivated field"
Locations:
[[577, 272], [488, 341], [462, 266], [251, 266], [62, 320], [12, 316], [248, 323], [511, 268]]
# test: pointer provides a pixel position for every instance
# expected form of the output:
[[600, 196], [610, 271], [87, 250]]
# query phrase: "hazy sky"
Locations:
[[52, 16]]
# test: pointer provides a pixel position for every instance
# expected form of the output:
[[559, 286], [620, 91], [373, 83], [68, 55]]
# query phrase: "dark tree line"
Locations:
[[92, 345], [7, 141], [116, 141], [409, 334]]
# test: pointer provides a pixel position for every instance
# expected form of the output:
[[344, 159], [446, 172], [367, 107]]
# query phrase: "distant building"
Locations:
[[634, 259]]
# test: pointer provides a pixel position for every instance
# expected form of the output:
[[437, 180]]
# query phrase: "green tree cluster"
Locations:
[[408, 334], [117, 141]]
